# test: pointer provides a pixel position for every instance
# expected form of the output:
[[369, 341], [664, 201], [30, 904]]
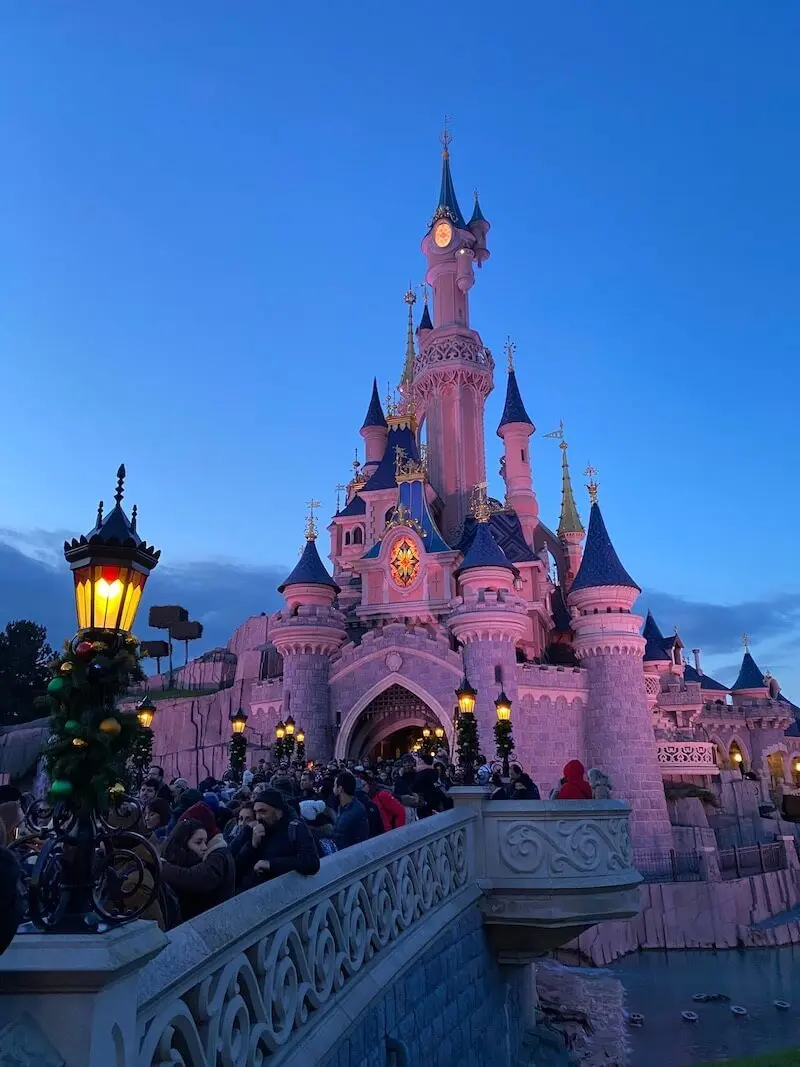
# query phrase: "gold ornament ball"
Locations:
[[65, 668], [99, 646], [117, 789], [110, 726], [78, 742]]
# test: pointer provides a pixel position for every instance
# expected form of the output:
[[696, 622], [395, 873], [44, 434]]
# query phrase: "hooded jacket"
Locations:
[[287, 846], [576, 787], [208, 883]]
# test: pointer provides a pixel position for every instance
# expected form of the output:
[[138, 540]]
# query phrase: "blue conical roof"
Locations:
[[477, 214], [705, 680], [309, 570], [448, 208], [514, 410], [425, 319], [484, 551], [654, 647], [375, 416], [750, 677], [600, 564]]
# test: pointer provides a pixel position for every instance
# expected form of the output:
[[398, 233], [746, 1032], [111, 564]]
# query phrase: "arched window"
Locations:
[[775, 764], [358, 536], [736, 757], [347, 537], [796, 771]]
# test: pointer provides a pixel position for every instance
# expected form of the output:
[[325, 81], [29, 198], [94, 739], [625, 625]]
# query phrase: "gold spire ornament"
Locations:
[[592, 483], [311, 521], [480, 503], [509, 348], [407, 379], [446, 137], [746, 642]]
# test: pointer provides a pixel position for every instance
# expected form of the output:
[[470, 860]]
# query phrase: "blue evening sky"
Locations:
[[209, 213]]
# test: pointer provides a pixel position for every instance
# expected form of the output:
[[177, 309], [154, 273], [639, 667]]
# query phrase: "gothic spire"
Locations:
[[375, 416], [514, 410], [570, 521], [447, 208], [407, 378]]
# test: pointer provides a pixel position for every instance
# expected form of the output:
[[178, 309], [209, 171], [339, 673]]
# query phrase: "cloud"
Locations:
[[221, 594]]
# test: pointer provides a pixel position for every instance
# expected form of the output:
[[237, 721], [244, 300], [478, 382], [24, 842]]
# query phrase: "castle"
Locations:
[[433, 582]]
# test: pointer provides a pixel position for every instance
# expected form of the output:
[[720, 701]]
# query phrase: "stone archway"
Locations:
[[384, 710]]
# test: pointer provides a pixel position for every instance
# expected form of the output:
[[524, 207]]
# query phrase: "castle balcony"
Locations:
[[285, 973], [687, 757]]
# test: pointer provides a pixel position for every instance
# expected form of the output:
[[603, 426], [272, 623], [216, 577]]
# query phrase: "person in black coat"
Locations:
[[12, 905], [279, 842], [352, 823], [425, 785]]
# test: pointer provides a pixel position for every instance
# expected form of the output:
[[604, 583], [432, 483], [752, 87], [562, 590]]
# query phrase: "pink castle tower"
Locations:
[[453, 371], [515, 429], [608, 643], [306, 633], [488, 620]]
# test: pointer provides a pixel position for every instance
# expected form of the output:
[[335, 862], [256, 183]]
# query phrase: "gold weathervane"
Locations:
[[558, 435], [480, 503], [746, 642], [311, 522], [446, 136], [592, 483], [509, 348]]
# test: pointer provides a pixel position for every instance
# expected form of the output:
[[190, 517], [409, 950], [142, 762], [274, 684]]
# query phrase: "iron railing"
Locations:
[[668, 866], [752, 859]]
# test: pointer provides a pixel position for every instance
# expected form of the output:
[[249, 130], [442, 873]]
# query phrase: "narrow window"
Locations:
[[347, 538], [358, 536], [498, 675]]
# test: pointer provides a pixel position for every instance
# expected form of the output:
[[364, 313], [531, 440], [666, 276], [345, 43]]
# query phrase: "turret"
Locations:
[[306, 633], [489, 620], [751, 682], [515, 429], [479, 227], [374, 430], [609, 645], [570, 527]]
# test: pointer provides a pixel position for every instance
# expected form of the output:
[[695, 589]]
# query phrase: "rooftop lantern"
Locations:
[[110, 566], [145, 712], [239, 721], [466, 695]]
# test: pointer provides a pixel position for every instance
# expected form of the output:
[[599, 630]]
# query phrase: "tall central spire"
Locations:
[[407, 378], [570, 521], [447, 208]]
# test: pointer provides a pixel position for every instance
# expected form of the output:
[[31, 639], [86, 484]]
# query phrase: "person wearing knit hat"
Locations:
[[212, 880], [278, 842], [212, 800], [312, 809]]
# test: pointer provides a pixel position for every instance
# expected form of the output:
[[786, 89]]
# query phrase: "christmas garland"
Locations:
[[91, 740], [237, 749]]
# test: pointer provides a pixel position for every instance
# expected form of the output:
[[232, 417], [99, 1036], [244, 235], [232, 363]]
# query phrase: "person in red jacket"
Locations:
[[393, 814], [576, 787]]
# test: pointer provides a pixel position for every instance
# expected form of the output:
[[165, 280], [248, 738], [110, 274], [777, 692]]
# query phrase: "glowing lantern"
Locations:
[[439, 731], [503, 707], [465, 695], [426, 732], [737, 757], [110, 567], [289, 726], [301, 736], [145, 712], [239, 721], [280, 731]]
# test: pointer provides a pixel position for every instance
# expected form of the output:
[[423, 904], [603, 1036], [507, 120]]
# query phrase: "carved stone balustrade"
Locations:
[[687, 757], [551, 868]]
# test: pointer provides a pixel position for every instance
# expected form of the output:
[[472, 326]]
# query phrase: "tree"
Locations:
[[24, 674]]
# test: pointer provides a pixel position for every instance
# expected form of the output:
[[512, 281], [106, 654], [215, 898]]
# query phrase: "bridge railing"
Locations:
[[277, 975]]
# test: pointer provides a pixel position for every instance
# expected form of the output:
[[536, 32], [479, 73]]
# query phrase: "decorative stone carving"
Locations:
[[687, 757], [566, 846], [394, 661], [245, 1008]]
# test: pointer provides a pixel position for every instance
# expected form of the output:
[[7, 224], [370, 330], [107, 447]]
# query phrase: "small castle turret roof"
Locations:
[[425, 319], [477, 214], [357, 506], [654, 650], [375, 416], [705, 680], [484, 552], [750, 675], [514, 410], [600, 564], [310, 570]]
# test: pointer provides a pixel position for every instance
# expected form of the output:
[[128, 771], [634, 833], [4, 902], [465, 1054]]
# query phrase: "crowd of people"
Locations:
[[223, 837]]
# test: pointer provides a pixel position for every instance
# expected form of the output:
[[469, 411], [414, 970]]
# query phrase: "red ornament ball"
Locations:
[[84, 650]]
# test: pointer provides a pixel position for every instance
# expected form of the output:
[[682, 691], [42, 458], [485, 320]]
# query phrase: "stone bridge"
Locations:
[[412, 948]]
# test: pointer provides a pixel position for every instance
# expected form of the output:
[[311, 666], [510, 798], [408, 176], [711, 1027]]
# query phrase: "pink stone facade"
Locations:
[[412, 606]]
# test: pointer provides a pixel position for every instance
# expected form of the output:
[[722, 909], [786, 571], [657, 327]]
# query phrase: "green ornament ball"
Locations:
[[55, 686], [72, 726], [61, 788]]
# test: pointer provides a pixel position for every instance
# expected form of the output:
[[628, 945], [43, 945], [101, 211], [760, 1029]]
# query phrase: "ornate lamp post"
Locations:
[[288, 744], [92, 865], [142, 754], [237, 746], [301, 745], [467, 731], [277, 748], [502, 730]]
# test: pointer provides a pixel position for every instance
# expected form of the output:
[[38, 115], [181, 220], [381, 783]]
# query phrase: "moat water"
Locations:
[[660, 985]]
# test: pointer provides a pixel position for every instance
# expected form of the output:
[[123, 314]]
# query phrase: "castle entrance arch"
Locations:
[[388, 720]]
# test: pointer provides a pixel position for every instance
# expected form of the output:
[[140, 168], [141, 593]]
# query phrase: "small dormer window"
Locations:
[[347, 537], [358, 536]]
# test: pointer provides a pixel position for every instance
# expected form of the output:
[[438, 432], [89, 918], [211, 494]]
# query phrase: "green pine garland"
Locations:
[[91, 739], [278, 751], [237, 749], [142, 755], [503, 738], [301, 752], [467, 748]]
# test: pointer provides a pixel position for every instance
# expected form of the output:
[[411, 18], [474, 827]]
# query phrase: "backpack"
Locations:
[[325, 846]]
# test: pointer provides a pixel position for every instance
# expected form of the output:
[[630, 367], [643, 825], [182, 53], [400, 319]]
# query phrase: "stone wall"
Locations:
[[453, 1007], [701, 915]]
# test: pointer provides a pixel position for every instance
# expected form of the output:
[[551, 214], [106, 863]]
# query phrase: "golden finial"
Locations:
[[480, 503], [446, 136], [311, 522], [592, 484], [746, 642], [410, 297], [509, 348], [423, 285]]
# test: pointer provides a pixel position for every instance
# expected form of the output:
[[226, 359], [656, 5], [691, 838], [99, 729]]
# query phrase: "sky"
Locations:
[[209, 214]]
